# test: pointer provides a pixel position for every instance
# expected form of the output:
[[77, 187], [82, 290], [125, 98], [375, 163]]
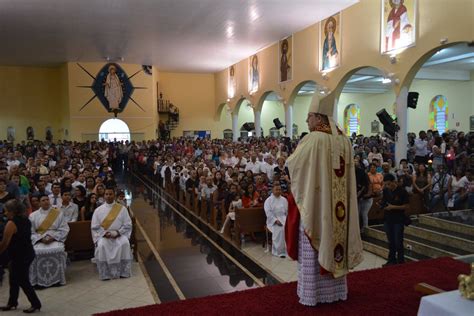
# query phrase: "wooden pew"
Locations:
[[249, 220], [415, 202], [79, 239]]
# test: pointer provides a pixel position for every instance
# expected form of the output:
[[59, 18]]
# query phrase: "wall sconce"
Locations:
[[325, 76], [393, 59], [443, 41]]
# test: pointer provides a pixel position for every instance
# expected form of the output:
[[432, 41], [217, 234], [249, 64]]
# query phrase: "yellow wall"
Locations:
[[30, 96], [194, 95], [86, 123]]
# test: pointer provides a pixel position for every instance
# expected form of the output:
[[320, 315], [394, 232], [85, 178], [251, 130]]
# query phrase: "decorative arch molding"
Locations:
[[340, 86], [220, 108], [297, 88], [413, 70], [261, 100], [236, 109]]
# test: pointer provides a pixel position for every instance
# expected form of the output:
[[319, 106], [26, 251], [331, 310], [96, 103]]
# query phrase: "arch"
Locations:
[[263, 98], [297, 89], [407, 81], [352, 119], [342, 83], [220, 107], [439, 114], [114, 129], [271, 108], [239, 103]]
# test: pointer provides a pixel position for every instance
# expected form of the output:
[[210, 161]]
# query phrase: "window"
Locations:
[[228, 134], [439, 114], [352, 119], [114, 130], [274, 132]]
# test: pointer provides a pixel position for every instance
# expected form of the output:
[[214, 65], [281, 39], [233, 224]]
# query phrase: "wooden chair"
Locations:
[[79, 239], [247, 221]]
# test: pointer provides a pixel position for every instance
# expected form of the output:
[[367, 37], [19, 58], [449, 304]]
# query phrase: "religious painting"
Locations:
[[375, 127], [231, 84], [285, 57], [398, 29], [113, 88], [330, 43], [254, 74], [49, 134], [10, 134], [30, 133]]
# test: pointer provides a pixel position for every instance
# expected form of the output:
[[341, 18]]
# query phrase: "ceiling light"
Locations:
[[386, 80], [253, 13]]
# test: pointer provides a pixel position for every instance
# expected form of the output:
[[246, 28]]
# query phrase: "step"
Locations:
[[457, 229], [419, 245], [380, 248], [441, 236]]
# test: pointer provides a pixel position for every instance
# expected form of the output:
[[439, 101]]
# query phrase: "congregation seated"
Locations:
[[49, 232]]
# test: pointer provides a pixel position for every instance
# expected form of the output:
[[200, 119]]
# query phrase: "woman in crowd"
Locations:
[[17, 239], [457, 184], [375, 154], [250, 197], [79, 196], [89, 207], [422, 183]]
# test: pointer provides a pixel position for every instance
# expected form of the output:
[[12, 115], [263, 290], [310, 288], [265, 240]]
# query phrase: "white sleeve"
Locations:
[[269, 213]]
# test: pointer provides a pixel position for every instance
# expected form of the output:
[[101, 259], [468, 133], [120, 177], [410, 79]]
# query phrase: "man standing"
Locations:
[[324, 187], [421, 149], [276, 209], [49, 230], [111, 229]]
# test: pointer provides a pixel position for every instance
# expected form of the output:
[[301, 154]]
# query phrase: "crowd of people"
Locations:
[[43, 187], [70, 181]]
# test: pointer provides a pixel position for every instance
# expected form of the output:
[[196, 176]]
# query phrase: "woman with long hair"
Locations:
[[89, 207], [17, 239], [422, 183], [250, 197]]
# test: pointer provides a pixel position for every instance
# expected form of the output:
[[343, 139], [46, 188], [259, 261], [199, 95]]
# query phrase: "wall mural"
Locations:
[[285, 54], [10, 134], [398, 25], [231, 84], [254, 74], [113, 88], [329, 42]]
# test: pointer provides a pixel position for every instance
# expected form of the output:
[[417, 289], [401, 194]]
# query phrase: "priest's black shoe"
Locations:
[[31, 310], [8, 308]]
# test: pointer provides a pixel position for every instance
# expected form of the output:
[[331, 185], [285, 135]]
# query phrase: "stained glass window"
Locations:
[[352, 119], [439, 114]]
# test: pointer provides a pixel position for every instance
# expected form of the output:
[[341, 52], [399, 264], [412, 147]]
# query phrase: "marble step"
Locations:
[[380, 248], [419, 245], [446, 227], [441, 237]]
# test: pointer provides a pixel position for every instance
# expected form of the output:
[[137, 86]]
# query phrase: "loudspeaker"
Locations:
[[249, 126], [277, 123], [389, 126], [412, 99]]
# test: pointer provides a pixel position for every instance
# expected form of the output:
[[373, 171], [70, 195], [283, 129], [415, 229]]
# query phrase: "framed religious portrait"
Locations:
[[398, 25], [285, 58], [30, 133], [232, 83], [330, 43], [10, 134], [374, 127], [254, 74]]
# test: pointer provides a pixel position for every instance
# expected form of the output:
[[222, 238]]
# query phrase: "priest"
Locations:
[[276, 210], [111, 229], [324, 188], [49, 230]]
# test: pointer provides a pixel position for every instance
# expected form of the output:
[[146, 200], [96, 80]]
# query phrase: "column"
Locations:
[[235, 127], [289, 121], [258, 130], [402, 121]]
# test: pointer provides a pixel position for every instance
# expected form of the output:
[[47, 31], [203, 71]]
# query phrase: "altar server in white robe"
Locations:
[[49, 230], [276, 209], [111, 229]]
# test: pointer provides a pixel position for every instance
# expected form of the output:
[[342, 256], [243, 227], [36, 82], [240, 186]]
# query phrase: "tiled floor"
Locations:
[[287, 270], [85, 294]]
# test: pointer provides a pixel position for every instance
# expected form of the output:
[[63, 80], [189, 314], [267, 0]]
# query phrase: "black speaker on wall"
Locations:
[[249, 126], [412, 99], [277, 123], [389, 125]]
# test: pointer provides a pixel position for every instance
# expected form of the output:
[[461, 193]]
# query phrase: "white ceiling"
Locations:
[[177, 35]]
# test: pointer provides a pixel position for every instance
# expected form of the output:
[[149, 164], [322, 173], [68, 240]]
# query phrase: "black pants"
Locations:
[[394, 233], [20, 277]]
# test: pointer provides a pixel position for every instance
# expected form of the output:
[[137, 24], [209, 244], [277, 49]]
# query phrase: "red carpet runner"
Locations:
[[386, 291]]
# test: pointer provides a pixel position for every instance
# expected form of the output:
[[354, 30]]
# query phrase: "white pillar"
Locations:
[[289, 121], [235, 127], [257, 123], [335, 112], [402, 121]]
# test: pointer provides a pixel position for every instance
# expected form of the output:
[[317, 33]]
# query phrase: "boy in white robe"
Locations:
[[48, 234], [111, 230], [276, 209]]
